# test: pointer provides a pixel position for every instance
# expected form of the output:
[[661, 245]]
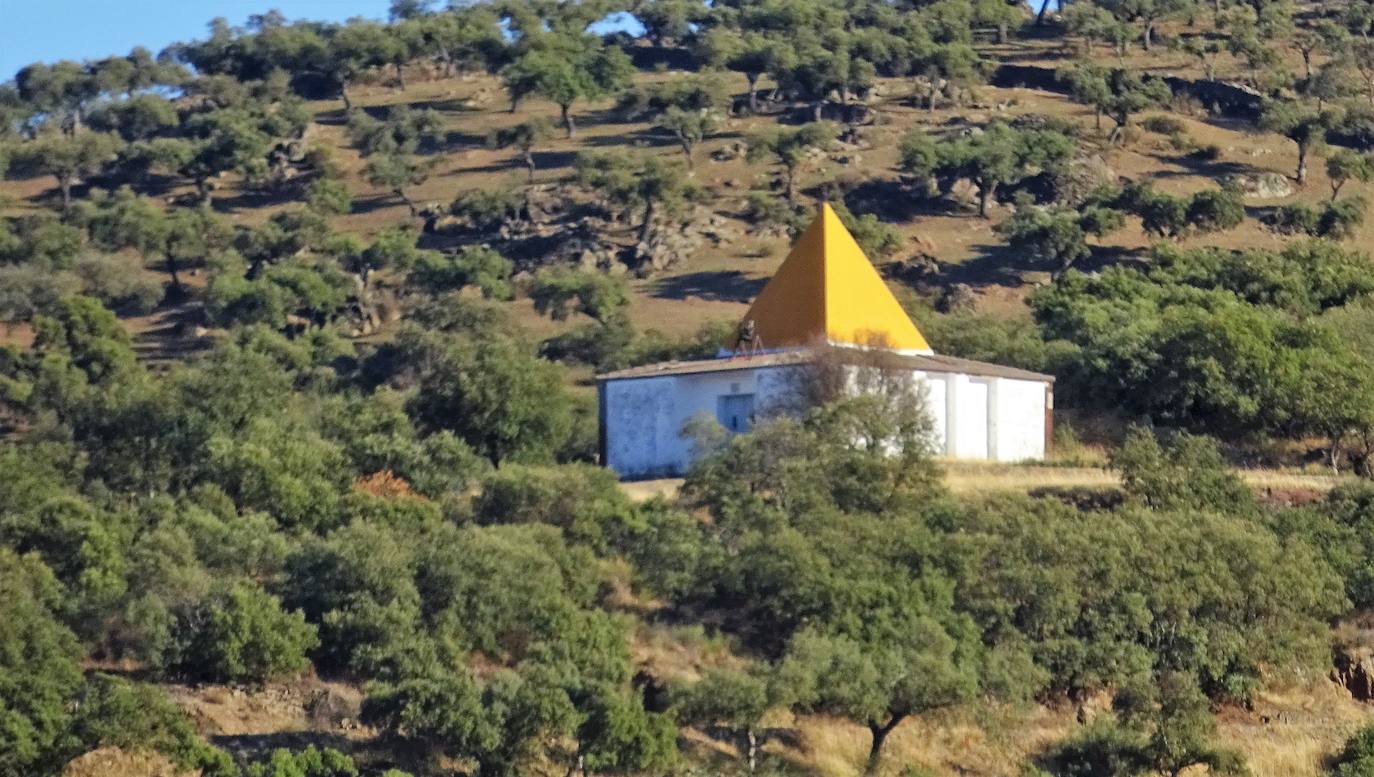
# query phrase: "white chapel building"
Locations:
[[826, 292]]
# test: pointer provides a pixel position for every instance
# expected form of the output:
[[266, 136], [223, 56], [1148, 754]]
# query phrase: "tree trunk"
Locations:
[[400, 77], [1001, 33], [568, 120], [985, 193], [1307, 63], [1097, 119], [529, 163], [1044, 11], [1147, 37], [817, 110], [875, 749], [410, 205], [753, 92], [648, 221], [1336, 189], [687, 152], [791, 186], [1302, 164], [64, 182], [203, 191], [172, 271], [930, 97], [751, 749], [347, 101]]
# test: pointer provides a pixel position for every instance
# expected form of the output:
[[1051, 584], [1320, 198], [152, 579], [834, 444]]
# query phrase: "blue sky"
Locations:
[[47, 30]]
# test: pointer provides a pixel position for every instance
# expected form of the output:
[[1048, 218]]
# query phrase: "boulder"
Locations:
[[1260, 186], [1079, 178], [958, 298]]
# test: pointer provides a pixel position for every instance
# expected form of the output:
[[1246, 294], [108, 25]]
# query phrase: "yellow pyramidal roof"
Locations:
[[826, 290]]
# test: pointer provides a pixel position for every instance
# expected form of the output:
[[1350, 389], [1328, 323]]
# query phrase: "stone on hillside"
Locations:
[[964, 192], [666, 246], [958, 298], [1080, 178], [1261, 186], [730, 151], [546, 203]]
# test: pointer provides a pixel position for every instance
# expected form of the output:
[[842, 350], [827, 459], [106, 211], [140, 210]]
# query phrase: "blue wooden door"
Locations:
[[735, 412]]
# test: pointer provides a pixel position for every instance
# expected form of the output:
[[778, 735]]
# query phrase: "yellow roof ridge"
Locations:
[[827, 290]]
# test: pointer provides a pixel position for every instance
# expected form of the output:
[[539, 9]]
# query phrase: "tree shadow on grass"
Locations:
[[1210, 168], [894, 201], [713, 286]]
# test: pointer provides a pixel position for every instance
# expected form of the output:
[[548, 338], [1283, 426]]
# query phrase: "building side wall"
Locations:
[[974, 417], [1020, 419], [644, 417]]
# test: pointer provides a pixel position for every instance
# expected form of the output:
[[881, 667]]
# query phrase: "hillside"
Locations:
[[299, 324]]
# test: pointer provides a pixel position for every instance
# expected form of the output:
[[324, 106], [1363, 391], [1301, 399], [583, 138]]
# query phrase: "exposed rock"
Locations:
[[1353, 658], [1034, 121], [1260, 186], [546, 203], [330, 708], [666, 247], [958, 298], [964, 192], [731, 151], [1079, 178]]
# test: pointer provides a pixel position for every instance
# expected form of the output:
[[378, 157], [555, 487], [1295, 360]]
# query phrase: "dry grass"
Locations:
[[1289, 734], [113, 762], [975, 477]]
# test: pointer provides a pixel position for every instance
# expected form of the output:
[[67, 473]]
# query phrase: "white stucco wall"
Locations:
[[643, 418], [974, 417], [1020, 419]]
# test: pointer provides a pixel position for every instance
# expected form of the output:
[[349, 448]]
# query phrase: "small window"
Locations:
[[735, 412]]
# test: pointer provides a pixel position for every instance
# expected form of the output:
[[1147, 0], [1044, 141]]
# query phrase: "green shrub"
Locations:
[[1215, 210], [487, 209], [1356, 758], [116, 713], [1340, 218], [242, 635], [1294, 218], [1163, 125], [584, 501]]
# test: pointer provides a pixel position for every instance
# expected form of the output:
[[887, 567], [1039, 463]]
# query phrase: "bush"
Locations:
[[1208, 153], [1216, 210], [1340, 219], [1164, 125], [115, 713], [1337, 220], [242, 635], [1294, 218], [584, 501], [1103, 749], [487, 209], [1356, 758], [124, 288]]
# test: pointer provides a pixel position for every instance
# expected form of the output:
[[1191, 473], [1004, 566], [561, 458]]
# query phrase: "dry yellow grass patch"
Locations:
[[1288, 734], [1291, 732], [972, 477]]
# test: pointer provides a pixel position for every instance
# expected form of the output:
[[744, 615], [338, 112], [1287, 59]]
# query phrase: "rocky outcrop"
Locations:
[[1260, 186], [1222, 98], [1352, 659]]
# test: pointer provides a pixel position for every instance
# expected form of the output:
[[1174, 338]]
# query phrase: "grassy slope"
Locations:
[[1302, 723]]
